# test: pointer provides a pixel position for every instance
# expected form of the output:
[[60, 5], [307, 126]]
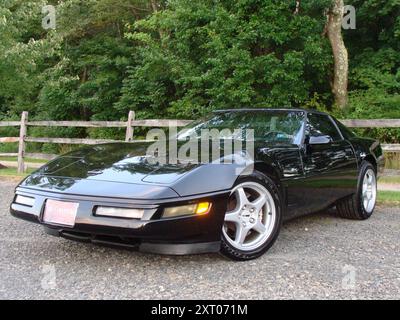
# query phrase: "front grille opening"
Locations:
[[123, 242], [117, 240]]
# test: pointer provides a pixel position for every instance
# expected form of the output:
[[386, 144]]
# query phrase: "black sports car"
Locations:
[[303, 162]]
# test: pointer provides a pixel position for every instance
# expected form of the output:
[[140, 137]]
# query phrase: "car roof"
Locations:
[[269, 110]]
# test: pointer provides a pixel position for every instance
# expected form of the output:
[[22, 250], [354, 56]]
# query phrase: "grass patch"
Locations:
[[12, 172], [15, 159], [392, 160], [389, 196], [389, 179]]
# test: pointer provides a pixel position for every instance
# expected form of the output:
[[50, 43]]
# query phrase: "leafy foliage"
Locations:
[[216, 54], [375, 64], [181, 59]]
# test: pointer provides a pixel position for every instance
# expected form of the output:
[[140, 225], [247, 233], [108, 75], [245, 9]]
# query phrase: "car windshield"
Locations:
[[270, 126]]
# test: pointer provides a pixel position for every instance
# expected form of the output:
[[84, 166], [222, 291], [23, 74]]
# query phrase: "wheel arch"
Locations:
[[269, 170], [272, 172], [371, 159], [262, 173]]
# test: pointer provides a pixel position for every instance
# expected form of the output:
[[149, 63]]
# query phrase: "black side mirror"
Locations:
[[319, 140]]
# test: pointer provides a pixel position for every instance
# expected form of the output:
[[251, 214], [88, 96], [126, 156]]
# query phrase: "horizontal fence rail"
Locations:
[[129, 125], [377, 123], [69, 140], [161, 123], [391, 147], [10, 123], [9, 139], [78, 124], [100, 124], [8, 154]]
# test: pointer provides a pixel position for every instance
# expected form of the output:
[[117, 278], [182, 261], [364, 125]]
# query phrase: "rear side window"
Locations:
[[321, 125], [346, 132]]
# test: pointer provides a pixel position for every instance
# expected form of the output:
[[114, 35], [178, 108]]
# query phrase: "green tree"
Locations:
[[181, 58], [23, 52], [374, 49], [220, 54]]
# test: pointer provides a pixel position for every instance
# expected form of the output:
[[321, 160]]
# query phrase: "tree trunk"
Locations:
[[298, 4], [155, 6], [341, 67]]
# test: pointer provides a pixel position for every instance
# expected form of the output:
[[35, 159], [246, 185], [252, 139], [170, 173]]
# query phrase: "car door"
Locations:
[[329, 162]]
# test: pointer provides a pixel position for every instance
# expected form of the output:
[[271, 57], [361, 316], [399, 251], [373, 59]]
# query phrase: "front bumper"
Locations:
[[176, 236]]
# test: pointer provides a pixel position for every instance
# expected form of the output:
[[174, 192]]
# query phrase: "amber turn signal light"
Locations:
[[203, 208]]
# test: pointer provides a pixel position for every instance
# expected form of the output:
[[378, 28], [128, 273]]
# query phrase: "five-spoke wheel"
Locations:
[[369, 190], [252, 219], [361, 204], [251, 216]]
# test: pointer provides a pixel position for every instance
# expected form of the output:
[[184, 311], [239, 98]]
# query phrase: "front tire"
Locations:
[[361, 205], [253, 218]]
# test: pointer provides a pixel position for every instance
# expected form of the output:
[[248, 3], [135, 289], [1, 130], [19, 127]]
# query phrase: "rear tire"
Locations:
[[253, 219], [361, 205]]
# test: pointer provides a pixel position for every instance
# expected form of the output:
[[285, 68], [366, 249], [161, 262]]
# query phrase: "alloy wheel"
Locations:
[[251, 216], [369, 191]]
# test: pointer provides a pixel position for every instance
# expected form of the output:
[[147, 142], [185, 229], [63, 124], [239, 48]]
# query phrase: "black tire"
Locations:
[[352, 207], [239, 255]]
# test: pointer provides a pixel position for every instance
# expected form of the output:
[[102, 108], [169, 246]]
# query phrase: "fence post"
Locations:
[[21, 146], [129, 128]]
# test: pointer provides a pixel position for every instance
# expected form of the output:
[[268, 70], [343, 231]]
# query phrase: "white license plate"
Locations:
[[60, 212]]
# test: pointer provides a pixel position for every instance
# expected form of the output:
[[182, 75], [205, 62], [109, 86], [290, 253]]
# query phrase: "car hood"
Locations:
[[124, 170], [117, 162]]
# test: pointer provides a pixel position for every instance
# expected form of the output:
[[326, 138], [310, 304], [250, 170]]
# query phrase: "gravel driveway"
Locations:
[[319, 256]]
